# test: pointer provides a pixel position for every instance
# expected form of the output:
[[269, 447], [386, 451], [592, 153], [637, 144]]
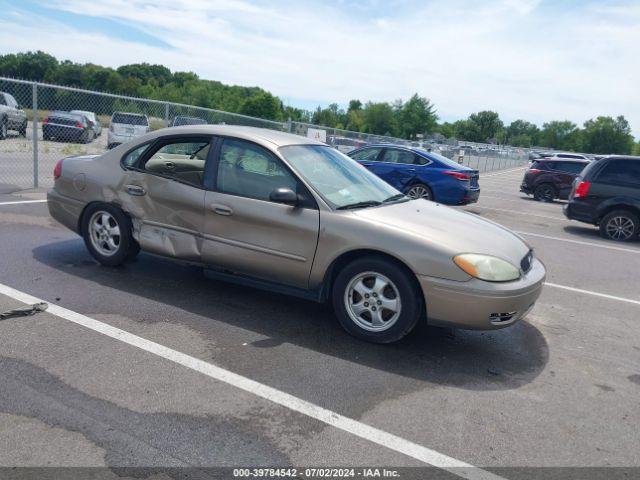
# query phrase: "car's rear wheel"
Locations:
[[620, 225], [420, 190], [376, 300], [545, 193], [107, 234], [23, 129]]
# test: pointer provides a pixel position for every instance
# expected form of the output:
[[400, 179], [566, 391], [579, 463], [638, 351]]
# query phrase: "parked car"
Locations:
[[607, 194], [12, 117], [550, 178], [293, 215], [421, 174], [67, 127], [124, 127], [180, 120], [93, 120]]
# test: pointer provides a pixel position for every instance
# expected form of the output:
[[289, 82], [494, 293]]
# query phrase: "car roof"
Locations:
[[265, 136], [129, 113], [564, 159]]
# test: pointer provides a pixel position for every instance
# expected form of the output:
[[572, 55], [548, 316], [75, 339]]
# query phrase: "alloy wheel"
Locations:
[[620, 228], [104, 232], [418, 191], [546, 193], [372, 301]]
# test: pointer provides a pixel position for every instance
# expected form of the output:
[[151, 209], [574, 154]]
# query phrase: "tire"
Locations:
[[620, 225], [3, 129], [22, 131], [97, 226], [545, 192], [355, 311], [419, 190]]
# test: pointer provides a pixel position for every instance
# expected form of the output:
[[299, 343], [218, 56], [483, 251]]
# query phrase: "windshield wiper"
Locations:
[[367, 203], [393, 198]]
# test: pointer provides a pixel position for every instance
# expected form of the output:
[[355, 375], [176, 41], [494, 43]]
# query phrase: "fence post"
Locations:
[[34, 132], [289, 125], [166, 114]]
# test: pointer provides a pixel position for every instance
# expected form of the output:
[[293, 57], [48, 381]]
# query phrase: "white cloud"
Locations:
[[523, 58]]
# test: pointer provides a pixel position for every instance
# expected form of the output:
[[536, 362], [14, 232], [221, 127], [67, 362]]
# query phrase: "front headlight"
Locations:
[[486, 267]]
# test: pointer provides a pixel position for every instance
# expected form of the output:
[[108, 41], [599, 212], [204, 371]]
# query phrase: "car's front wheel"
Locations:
[[107, 234], [620, 225], [3, 129], [376, 300]]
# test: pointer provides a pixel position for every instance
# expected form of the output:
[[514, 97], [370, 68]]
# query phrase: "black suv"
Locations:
[[607, 193], [550, 178]]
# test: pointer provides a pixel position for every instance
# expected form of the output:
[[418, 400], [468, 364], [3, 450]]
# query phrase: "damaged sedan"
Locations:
[[278, 211]]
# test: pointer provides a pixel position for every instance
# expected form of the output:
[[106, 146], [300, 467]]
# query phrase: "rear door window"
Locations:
[[393, 155], [181, 159], [367, 155], [620, 172]]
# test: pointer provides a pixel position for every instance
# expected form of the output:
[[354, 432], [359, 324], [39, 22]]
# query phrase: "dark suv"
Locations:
[[550, 178], [607, 193]]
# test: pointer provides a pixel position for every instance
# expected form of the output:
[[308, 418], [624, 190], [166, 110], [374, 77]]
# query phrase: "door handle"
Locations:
[[367, 164], [136, 190], [411, 170], [221, 209], [170, 165]]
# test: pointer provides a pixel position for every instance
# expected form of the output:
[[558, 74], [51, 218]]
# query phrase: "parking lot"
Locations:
[[153, 365]]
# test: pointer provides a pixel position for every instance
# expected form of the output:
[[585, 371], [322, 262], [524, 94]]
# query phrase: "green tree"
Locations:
[[379, 118], [488, 125], [467, 130], [416, 116], [263, 105], [560, 135], [521, 133], [607, 135]]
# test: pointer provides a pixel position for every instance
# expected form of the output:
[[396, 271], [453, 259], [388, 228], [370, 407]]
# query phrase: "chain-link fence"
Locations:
[[40, 123]]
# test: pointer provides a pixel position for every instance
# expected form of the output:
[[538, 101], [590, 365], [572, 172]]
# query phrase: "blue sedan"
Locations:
[[421, 174]]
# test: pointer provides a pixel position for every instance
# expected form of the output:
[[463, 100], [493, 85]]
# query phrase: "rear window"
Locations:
[[129, 119], [179, 121], [620, 172], [442, 159], [569, 167]]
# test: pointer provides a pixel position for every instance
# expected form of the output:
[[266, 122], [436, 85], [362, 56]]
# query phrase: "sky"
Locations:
[[539, 60]]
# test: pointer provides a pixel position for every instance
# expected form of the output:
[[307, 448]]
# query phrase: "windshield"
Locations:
[[340, 180]]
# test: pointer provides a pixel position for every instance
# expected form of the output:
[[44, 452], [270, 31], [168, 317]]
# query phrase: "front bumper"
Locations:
[[480, 305]]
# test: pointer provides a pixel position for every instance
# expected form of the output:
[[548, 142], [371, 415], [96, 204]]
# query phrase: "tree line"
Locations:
[[411, 119]]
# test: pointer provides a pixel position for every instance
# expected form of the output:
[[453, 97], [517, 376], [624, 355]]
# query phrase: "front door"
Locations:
[[164, 193], [246, 232]]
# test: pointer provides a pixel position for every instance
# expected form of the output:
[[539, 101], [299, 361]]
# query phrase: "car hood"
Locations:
[[452, 230]]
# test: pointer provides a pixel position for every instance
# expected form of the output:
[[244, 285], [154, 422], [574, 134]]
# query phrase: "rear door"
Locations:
[[246, 232], [164, 193], [397, 167], [618, 178]]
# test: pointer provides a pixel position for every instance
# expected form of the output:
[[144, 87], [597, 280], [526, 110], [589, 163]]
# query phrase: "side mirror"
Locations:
[[284, 195]]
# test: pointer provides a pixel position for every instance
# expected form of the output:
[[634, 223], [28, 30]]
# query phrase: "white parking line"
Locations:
[[579, 242], [595, 294], [23, 201], [475, 205], [359, 429]]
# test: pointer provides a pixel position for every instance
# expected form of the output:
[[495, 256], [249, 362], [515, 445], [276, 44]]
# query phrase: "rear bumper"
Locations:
[[524, 188], [471, 196], [480, 305], [115, 139], [65, 210], [576, 211]]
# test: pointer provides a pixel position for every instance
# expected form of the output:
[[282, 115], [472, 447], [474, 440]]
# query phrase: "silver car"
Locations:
[[124, 127], [277, 211]]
